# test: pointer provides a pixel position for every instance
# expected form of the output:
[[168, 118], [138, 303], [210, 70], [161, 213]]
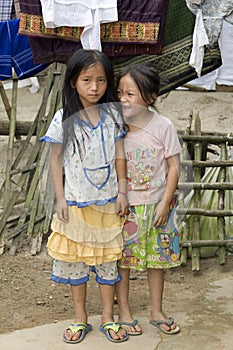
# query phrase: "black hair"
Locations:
[[146, 78], [72, 105]]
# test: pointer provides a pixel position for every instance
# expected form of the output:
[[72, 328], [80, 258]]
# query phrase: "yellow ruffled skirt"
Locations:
[[92, 235]]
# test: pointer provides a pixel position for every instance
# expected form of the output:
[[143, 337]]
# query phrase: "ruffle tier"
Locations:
[[92, 235]]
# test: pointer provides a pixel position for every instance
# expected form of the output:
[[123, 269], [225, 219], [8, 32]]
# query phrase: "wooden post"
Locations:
[[184, 231], [10, 150], [196, 197], [221, 206]]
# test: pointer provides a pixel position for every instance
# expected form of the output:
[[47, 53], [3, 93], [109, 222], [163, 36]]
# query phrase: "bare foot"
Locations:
[[69, 335], [164, 326], [114, 330], [131, 327]]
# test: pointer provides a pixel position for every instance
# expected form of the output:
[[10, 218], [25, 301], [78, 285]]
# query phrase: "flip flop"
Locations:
[[168, 323], [131, 324], [74, 328], [114, 326]]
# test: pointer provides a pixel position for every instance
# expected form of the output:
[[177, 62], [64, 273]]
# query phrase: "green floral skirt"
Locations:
[[147, 246]]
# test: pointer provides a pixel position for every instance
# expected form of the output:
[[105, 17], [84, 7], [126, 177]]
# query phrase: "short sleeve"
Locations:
[[54, 133], [119, 128], [171, 141]]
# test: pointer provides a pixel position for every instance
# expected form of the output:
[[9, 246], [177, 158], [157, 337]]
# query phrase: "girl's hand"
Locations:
[[62, 210], [122, 204], [161, 214]]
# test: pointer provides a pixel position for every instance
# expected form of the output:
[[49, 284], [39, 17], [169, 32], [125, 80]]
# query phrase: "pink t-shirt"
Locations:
[[146, 152]]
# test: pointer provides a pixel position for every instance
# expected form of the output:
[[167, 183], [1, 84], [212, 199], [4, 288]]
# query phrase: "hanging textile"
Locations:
[[208, 26], [213, 12], [139, 29], [15, 52], [79, 13], [5, 10], [173, 63]]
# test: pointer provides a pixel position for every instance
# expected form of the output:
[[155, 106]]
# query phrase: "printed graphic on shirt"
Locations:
[[143, 171]]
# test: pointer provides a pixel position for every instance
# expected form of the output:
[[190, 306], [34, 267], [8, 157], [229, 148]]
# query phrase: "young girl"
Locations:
[[86, 138], [152, 151]]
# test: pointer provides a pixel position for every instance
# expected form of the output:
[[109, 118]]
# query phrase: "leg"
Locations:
[[107, 293], [66, 271], [122, 293], [79, 302], [107, 276], [156, 285]]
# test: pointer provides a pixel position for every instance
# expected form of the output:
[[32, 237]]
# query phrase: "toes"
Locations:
[[76, 336], [122, 333], [72, 336], [114, 335], [119, 335]]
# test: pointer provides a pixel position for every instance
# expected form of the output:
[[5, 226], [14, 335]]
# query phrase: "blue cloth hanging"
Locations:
[[15, 52]]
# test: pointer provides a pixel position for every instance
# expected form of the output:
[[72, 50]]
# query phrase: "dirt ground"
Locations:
[[29, 298]]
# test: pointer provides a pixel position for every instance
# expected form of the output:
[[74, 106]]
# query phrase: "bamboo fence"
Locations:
[[192, 215], [21, 181], [33, 220]]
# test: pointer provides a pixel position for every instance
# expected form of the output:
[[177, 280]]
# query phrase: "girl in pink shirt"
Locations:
[[150, 235]]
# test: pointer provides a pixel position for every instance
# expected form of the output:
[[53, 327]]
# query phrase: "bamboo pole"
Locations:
[[206, 186], [207, 243], [10, 150], [196, 197], [8, 107], [221, 197], [11, 137], [183, 177], [25, 227], [27, 210], [204, 212], [206, 163], [37, 231], [47, 192], [208, 139], [21, 128], [5, 100]]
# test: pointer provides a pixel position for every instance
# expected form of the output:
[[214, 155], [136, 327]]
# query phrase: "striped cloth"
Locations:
[[15, 52], [5, 10]]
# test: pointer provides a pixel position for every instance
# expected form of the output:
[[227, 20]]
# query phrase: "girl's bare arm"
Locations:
[[162, 209], [122, 200], [56, 167]]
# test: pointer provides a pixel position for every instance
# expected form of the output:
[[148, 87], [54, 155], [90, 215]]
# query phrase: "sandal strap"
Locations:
[[75, 327], [131, 324], [115, 326]]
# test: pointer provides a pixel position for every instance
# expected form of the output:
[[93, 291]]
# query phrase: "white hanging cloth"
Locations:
[[200, 39], [80, 13]]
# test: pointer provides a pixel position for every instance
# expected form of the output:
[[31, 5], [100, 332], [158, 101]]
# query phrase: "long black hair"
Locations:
[[71, 102], [146, 78]]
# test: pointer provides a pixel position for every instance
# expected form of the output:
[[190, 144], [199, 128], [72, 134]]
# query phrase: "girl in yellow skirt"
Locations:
[[89, 176]]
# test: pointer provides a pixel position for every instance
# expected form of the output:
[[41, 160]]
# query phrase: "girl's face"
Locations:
[[130, 97], [91, 85]]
